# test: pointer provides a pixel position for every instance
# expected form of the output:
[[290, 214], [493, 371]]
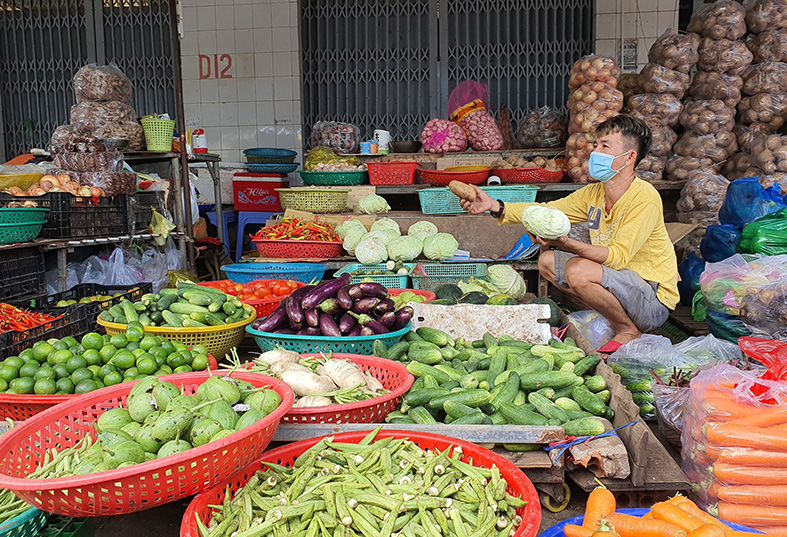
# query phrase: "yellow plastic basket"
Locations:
[[219, 340], [158, 133], [314, 200]]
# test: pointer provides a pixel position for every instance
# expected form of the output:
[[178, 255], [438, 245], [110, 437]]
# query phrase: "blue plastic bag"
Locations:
[[689, 283], [719, 242], [747, 200]]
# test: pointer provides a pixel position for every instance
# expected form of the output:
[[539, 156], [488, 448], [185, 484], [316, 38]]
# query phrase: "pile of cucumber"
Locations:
[[500, 381], [190, 305]]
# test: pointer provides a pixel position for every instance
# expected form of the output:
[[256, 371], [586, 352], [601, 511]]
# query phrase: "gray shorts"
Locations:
[[637, 296]]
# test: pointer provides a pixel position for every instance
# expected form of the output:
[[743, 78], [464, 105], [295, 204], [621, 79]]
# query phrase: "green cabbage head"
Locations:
[[344, 227], [384, 236], [386, 224], [373, 204], [352, 238], [545, 222], [405, 248], [371, 251], [422, 229], [506, 280], [440, 246]]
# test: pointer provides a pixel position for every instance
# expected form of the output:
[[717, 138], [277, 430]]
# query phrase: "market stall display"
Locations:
[[543, 127], [468, 106], [298, 238], [342, 137], [263, 295], [443, 136]]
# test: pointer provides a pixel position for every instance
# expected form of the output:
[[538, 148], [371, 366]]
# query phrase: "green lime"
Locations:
[[95, 369], [100, 384], [106, 338], [45, 372], [3, 385], [112, 378], [132, 346], [138, 352], [199, 349], [92, 357], [27, 352], [200, 362], [45, 387], [188, 356], [179, 346], [107, 352], [60, 371], [81, 374], [59, 345], [92, 340], [147, 366], [65, 385], [106, 369], [28, 370], [42, 350], [28, 359], [70, 342], [160, 361], [8, 373], [61, 356], [14, 361], [135, 331], [176, 360], [158, 351], [165, 370], [119, 341], [123, 359], [167, 347], [131, 373], [22, 385], [74, 363], [148, 342], [85, 386], [183, 369]]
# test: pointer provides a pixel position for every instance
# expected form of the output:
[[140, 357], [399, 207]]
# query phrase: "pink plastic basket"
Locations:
[[392, 173]]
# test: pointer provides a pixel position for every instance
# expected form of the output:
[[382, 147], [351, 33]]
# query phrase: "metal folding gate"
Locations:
[[393, 63], [44, 42]]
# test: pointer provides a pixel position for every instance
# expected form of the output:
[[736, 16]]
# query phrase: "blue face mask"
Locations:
[[600, 166]]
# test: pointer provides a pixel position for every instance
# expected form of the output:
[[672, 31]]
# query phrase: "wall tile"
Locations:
[[296, 88], [225, 18], [205, 3], [193, 113], [263, 64], [667, 19], [244, 41], [280, 15], [282, 88], [265, 89], [294, 15], [228, 90], [243, 17], [668, 5], [247, 137], [648, 24], [266, 136], [261, 15], [282, 39], [206, 18], [282, 64], [608, 47], [247, 113], [190, 67], [207, 41], [607, 27], [285, 136], [209, 90], [190, 43], [631, 25], [263, 41], [283, 112], [210, 114], [228, 114], [247, 89], [265, 113], [225, 41], [607, 6], [244, 65], [190, 17], [295, 60], [191, 92], [230, 138]]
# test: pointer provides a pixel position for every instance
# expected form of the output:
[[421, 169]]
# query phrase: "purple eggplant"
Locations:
[[294, 311], [388, 319], [285, 331], [296, 326], [347, 323], [328, 326], [277, 319], [403, 317], [374, 289], [365, 305], [385, 306], [325, 291], [310, 331], [367, 322], [355, 291], [331, 306], [312, 317], [344, 298], [366, 331], [355, 332]]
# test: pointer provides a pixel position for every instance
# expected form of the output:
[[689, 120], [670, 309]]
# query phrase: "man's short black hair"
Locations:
[[634, 131]]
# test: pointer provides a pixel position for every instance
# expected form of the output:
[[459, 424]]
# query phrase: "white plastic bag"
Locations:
[[123, 269], [593, 326], [174, 258]]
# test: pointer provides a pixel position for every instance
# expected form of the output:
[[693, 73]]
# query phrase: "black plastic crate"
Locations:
[[75, 216], [21, 272], [141, 204], [75, 323]]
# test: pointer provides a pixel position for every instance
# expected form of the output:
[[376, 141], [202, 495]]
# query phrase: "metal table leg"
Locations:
[[179, 209], [213, 169]]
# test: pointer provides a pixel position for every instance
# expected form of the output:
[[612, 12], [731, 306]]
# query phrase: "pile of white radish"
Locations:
[[318, 381]]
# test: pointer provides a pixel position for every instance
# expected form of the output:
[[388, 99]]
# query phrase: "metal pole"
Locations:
[[181, 122]]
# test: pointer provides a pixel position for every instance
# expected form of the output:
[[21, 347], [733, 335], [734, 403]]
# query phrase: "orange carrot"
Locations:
[[770, 530], [572, 530], [741, 434], [721, 407], [747, 456], [750, 514], [648, 516], [753, 494], [733, 474], [677, 499], [672, 514], [691, 508], [708, 530], [605, 529], [632, 526], [601, 503]]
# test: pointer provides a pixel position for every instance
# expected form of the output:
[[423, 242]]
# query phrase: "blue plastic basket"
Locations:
[[557, 529], [391, 281], [268, 341], [443, 201], [271, 168], [430, 276], [270, 155], [27, 524], [300, 272]]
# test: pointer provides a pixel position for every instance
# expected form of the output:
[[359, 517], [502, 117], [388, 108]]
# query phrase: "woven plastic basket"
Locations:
[[263, 306], [392, 375], [158, 133], [27, 524], [334, 178], [219, 340], [443, 177], [22, 216], [388, 280], [429, 296], [518, 483], [443, 201], [392, 173], [300, 272], [268, 341], [271, 167], [14, 233], [314, 200], [430, 276], [298, 249], [528, 175], [134, 488], [269, 155]]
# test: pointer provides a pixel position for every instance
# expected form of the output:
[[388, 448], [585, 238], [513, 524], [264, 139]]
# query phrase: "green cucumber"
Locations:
[[547, 379], [521, 416], [197, 298], [438, 337], [567, 404], [523, 447], [604, 395], [547, 408], [216, 305], [397, 351], [172, 319], [423, 396], [421, 416], [421, 370], [489, 340], [412, 336], [586, 364], [379, 349], [595, 383], [584, 427], [588, 400], [476, 418], [471, 398], [187, 308], [166, 301], [456, 409], [426, 356], [496, 366], [129, 311], [508, 390]]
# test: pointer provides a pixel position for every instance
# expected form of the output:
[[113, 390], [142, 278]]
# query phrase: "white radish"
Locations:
[[374, 384], [344, 373], [280, 355], [280, 367], [307, 383], [312, 401]]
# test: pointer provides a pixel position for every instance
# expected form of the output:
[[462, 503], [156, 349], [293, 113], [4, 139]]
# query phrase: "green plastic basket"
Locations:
[[63, 526], [268, 341], [27, 524], [158, 133], [15, 233], [443, 201], [430, 276], [314, 200], [22, 216], [391, 281], [334, 178]]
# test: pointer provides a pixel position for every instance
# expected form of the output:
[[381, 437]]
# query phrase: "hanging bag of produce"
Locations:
[[468, 106]]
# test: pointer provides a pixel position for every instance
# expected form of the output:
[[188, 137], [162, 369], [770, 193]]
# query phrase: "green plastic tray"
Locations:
[[22, 216], [443, 201], [391, 281], [268, 341], [14, 233], [334, 178], [430, 276]]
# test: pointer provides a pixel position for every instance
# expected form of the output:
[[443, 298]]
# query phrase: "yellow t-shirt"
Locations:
[[634, 232]]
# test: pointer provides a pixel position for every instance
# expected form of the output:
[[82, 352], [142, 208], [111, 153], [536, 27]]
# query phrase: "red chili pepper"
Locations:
[[297, 229], [13, 318]]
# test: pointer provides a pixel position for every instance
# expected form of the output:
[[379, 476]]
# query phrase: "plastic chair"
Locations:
[[248, 217], [228, 217]]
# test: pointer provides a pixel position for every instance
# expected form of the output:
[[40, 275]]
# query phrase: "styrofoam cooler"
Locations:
[[257, 191]]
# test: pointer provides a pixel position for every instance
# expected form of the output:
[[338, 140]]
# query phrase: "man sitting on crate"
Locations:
[[628, 273]]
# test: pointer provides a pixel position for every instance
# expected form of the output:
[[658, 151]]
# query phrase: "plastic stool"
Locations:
[[228, 217], [249, 217]]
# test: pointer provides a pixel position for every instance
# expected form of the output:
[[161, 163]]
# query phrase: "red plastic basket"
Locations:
[[518, 483], [392, 173], [392, 375], [137, 487], [298, 249], [530, 175], [263, 306], [442, 177], [428, 295]]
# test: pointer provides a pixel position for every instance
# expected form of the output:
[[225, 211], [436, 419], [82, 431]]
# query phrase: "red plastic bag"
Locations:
[[770, 352], [468, 106]]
